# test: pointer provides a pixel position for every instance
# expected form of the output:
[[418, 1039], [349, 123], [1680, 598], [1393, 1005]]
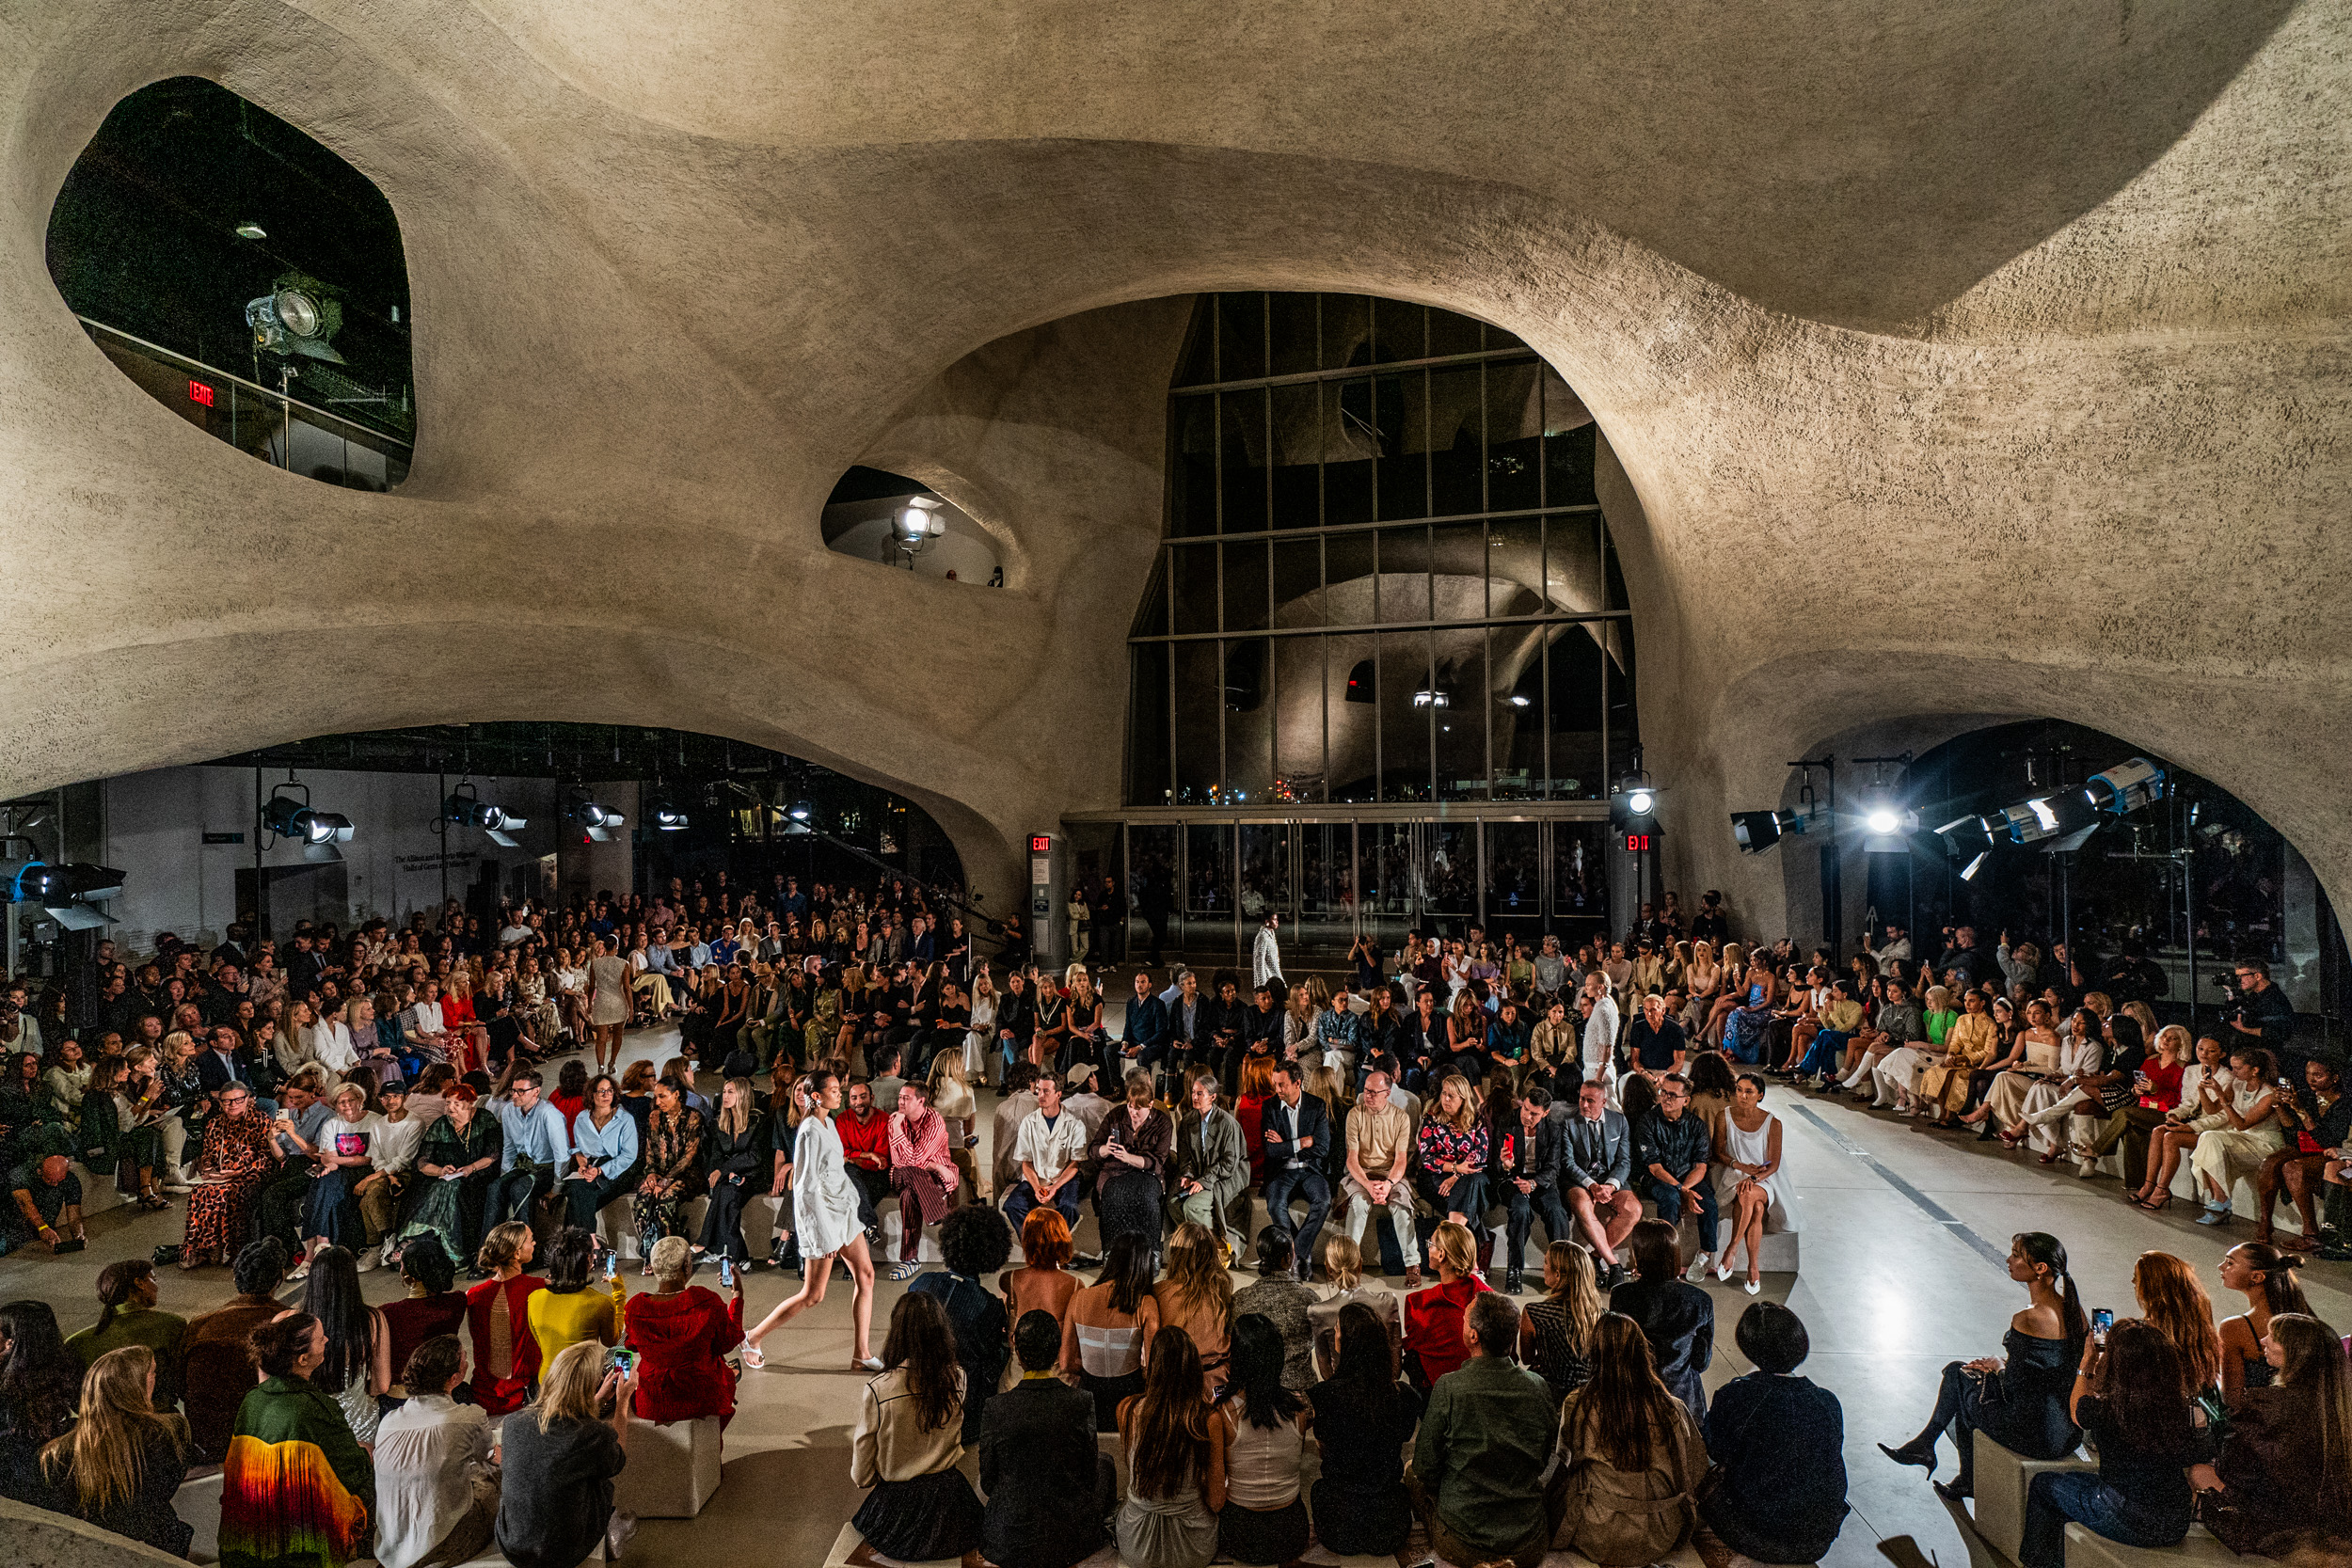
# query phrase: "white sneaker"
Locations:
[[370, 1261], [1697, 1272]]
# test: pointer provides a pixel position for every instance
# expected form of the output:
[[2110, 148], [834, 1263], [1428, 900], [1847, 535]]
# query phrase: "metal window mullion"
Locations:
[[1400, 625]]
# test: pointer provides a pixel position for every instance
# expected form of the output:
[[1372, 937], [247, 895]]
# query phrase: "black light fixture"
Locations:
[[465, 809], [666, 815], [595, 820], [285, 815], [64, 890], [1759, 830]]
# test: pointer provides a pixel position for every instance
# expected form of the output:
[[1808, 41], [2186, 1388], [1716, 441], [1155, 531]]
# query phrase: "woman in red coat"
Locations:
[[680, 1332], [1432, 1318]]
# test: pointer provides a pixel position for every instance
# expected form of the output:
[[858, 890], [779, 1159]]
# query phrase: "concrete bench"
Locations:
[[2002, 1478], [673, 1468], [2086, 1548], [848, 1541]]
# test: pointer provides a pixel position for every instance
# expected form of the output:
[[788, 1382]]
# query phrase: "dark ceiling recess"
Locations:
[[533, 751], [873, 485]]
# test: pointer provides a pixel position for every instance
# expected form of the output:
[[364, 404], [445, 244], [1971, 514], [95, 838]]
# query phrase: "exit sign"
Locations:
[[1637, 844], [199, 392], [1040, 844]]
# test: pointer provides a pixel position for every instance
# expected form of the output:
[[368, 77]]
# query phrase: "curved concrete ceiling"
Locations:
[[1982, 358]]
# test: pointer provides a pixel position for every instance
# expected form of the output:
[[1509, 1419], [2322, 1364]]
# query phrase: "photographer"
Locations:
[[2262, 1014]]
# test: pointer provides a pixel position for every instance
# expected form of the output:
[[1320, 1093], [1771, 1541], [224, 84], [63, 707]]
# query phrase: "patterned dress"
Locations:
[[674, 1155], [238, 1156]]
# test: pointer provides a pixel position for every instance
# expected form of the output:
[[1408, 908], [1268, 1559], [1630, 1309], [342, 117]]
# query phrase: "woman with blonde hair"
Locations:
[[952, 1098], [1704, 975], [558, 1459], [1299, 1021], [1433, 1317], [120, 1463], [1556, 1332], [1454, 1148], [983, 1034], [1196, 1295], [1344, 1261]]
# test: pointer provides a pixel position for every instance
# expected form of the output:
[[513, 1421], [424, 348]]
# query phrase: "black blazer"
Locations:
[[1679, 1320], [1038, 1467], [212, 1074], [1313, 1123]]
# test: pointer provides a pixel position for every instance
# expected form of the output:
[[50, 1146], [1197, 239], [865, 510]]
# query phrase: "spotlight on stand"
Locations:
[[597, 821], [65, 891], [1968, 873], [1633, 803], [1963, 834], [919, 526], [2050, 817], [2120, 790], [1888, 828], [801, 811], [465, 810], [1759, 830], [295, 321], [287, 816], [667, 815]]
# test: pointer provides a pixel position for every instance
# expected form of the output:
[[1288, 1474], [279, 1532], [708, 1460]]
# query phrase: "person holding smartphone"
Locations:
[[680, 1333]]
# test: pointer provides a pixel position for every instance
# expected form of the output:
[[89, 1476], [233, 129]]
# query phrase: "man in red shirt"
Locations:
[[865, 1148]]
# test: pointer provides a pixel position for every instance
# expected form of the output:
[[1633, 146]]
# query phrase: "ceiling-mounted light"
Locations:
[[597, 821], [466, 811], [287, 816], [249, 229], [2119, 790], [295, 321], [665, 814], [1521, 700], [65, 891]]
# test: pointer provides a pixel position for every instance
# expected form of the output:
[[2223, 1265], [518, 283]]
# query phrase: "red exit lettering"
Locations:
[[1637, 844], [198, 392]]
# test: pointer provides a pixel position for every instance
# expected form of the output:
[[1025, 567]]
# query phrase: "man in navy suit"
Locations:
[[1297, 1137], [1145, 1044]]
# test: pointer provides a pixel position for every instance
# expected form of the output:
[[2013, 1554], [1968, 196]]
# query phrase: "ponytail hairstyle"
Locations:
[[2280, 1292], [2046, 1250], [116, 1283], [2312, 1358]]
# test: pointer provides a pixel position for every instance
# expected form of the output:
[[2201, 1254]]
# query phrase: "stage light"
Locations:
[[1518, 701], [249, 229], [1756, 831], [466, 811], [2119, 790], [65, 891], [290, 321], [317, 831], [1438, 697], [1888, 828], [1969, 873], [1962, 833], [597, 821], [801, 811], [2031, 822], [1882, 821], [1641, 803], [666, 815]]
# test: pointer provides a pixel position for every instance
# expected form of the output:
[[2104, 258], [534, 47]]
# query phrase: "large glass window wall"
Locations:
[[1386, 578]]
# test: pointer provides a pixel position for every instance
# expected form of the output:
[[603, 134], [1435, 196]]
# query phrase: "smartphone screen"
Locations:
[[726, 1273], [2102, 1319]]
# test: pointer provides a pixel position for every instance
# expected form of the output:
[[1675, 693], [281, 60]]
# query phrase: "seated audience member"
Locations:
[[2264, 1276], [866, 1153], [215, 1371], [572, 1308], [2129, 1399], [1285, 1304], [357, 1370], [1265, 1516], [1675, 1153], [1595, 1177], [437, 1487], [908, 1441], [1196, 1294], [297, 1488], [1454, 1151], [1678, 1318], [2285, 1465], [973, 1244], [923, 1172], [680, 1332], [1043, 1283], [1363, 1417], [1038, 1457], [119, 1465], [2021, 1400], [1525, 1179], [127, 1315], [1634, 1456], [434, 1304], [558, 1458], [41, 1387], [1344, 1262], [1556, 1332], [1295, 1132], [498, 1315], [1049, 1148], [1433, 1317], [1779, 1442], [604, 1151], [1480, 1461], [1379, 1152], [1175, 1461], [1209, 1170], [1109, 1323]]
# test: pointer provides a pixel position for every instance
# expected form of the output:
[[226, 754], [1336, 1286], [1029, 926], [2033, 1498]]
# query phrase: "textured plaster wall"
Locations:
[[1978, 358]]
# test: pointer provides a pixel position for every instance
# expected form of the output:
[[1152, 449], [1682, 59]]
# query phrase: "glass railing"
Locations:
[[276, 426]]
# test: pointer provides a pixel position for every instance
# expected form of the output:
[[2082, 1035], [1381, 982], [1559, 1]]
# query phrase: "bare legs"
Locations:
[[1750, 1204], [2166, 1147], [860, 1264]]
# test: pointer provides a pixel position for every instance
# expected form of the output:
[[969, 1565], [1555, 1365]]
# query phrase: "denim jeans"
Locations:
[[2058, 1496], [1669, 1200], [1823, 1055]]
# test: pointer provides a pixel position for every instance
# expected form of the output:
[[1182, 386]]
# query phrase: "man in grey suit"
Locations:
[[1211, 1171], [1595, 1162]]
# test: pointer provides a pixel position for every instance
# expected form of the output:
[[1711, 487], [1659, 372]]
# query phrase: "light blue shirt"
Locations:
[[539, 1133], [615, 1149], [699, 955]]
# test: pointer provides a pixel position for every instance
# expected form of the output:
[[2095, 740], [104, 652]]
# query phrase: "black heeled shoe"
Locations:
[[1908, 1456], [1952, 1492]]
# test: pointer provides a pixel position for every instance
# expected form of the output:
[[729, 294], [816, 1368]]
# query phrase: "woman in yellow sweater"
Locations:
[[568, 1311]]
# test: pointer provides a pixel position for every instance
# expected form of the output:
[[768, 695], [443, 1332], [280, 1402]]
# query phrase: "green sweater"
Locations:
[[1484, 1442], [161, 1332]]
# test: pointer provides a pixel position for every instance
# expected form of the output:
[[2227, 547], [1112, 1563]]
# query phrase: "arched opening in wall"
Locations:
[[1387, 611], [245, 278], [2160, 900], [486, 820], [900, 522]]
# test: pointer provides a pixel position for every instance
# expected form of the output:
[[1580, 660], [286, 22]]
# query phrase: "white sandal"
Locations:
[[752, 1358]]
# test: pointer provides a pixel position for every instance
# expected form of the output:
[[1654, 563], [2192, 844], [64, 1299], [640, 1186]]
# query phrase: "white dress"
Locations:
[[983, 1034], [1754, 1148], [824, 1204]]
